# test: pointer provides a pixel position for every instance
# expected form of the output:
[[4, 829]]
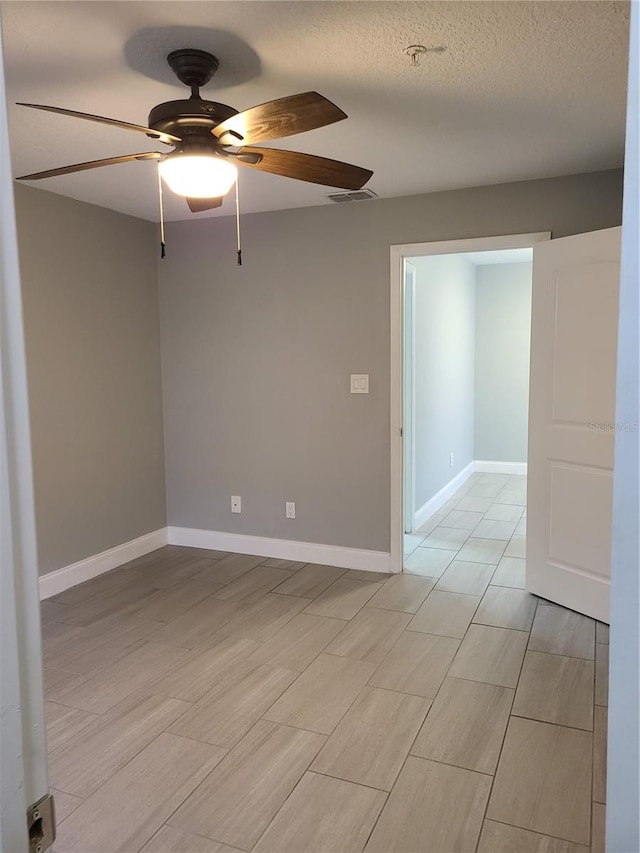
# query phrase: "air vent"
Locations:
[[358, 195]]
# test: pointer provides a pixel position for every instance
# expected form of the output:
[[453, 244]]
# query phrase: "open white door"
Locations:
[[574, 330]]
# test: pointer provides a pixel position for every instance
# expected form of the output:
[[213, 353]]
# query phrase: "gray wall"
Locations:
[[256, 359], [503, 340], [89, 281], [444, 318]]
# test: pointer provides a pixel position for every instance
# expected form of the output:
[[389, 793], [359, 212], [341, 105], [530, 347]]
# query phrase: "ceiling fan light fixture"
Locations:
[[198, 175]]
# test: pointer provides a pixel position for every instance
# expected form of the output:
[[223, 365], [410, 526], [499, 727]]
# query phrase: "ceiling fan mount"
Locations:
[[193, 67]]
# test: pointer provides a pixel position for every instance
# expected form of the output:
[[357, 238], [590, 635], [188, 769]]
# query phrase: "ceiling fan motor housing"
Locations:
[[190, 117]]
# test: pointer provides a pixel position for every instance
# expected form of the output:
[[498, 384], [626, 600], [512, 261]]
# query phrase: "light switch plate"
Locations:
[[359, 383]]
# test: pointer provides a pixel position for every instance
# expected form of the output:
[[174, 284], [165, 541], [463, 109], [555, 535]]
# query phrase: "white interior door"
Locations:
[[574, 330], [408, 395]]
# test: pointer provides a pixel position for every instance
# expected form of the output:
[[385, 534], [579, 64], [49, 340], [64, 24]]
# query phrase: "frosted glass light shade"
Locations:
[[197, 176]]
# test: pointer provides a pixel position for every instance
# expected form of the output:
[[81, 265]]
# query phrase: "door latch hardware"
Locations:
[[41, 822]]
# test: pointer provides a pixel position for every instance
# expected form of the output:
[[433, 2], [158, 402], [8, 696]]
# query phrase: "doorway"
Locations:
[[455, 428]]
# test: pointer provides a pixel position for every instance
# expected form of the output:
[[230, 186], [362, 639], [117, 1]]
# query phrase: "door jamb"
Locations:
[[409, 401], [22, 728], [398, 254]]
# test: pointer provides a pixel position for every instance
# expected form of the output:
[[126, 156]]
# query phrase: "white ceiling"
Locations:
[[524, 89]]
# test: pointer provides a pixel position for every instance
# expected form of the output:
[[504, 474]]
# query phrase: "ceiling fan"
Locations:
[[210, 139]]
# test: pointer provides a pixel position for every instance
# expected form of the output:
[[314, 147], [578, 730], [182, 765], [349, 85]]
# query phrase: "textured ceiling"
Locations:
[[524, 89]]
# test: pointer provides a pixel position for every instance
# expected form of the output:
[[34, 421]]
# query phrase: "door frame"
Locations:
[[399, 254], [22, 726], [408, 398]]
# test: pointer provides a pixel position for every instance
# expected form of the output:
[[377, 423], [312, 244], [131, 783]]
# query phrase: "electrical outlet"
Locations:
[[289, 509], [236, 503], [451, 460]]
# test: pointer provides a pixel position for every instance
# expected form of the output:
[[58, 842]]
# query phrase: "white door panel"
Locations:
[[572, 409]]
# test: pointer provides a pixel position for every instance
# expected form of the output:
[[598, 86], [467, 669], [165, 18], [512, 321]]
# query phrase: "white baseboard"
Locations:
[[55, 582], [283, 549], [440, 498], [514, 468]]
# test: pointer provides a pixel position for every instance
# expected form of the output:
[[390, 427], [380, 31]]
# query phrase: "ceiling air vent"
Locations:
[[357, 195]]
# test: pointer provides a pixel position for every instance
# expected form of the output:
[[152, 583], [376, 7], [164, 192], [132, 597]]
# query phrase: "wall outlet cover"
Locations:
[[236, 503]]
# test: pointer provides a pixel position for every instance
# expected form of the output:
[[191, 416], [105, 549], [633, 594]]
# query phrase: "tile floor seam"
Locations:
[[433, 700], [379, 815], [449, 764], [321, 652], [551, 723], [296, 786], [120, 769], [497, 767], [291, 595], [404, 762], [214, 769], [220, 746], [103, 716], [545, 722], [397, 776], [587, 847], [197, 834], [182, 802], [560, 654], [343, 779], [195, 739], [299, 675], [467, 594]]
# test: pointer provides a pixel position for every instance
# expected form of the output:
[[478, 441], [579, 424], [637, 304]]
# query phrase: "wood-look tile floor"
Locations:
[[204, 702]]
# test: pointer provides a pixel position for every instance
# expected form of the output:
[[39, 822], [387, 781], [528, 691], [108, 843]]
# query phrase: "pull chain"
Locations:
[[238, 225], [163, 254]]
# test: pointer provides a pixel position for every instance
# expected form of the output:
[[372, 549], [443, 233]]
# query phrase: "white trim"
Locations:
[[283, 549], [440, 498], [398, 254], [408, 361], [23, 780], [55, 582], [513, 468]]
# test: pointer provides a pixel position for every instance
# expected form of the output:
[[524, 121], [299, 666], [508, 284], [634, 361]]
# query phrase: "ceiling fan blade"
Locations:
[[125, 125], [276, 119], [91, 164], [307, 167], [197, 205]]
